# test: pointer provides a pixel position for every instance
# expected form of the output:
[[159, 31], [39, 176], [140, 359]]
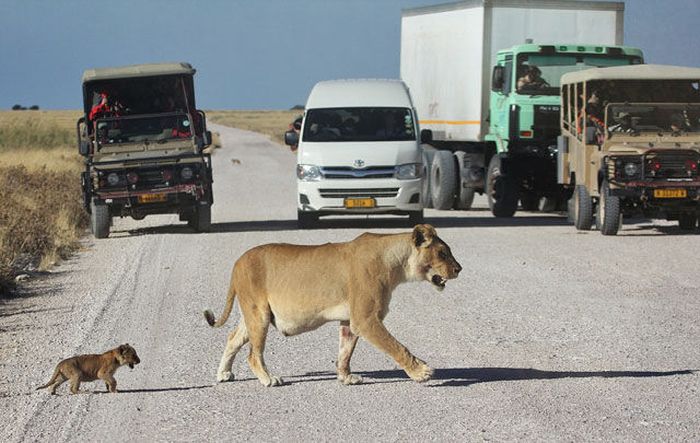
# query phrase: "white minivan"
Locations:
[[358, 151]]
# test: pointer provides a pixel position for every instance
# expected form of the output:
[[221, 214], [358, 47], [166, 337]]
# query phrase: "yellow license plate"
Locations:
[[670, 193], [360, 203], [152, 198]]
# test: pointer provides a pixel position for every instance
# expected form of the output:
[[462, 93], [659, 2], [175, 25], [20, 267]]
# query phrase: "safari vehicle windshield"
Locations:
[[552, 66], [142, 129], [637, 118], [359, 124]]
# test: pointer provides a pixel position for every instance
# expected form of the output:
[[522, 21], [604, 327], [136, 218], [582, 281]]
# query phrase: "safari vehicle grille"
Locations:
[[655, 165], [342, 172], [148, 178], [363, 192]]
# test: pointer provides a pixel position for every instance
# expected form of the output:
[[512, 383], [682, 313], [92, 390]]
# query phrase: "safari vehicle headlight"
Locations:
[[186, 173], [631, 169], [409, 171], [308, 173], [112, 179]]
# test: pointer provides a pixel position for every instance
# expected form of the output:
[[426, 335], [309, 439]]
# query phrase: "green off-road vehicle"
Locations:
[[630, 145], [143, 140]]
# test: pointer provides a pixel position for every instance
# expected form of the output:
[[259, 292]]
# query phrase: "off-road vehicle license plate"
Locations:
[[670, 193], [360, 203], [152, 198]]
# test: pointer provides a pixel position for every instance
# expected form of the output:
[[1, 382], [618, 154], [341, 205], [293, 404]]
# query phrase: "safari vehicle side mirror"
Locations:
[[291, 138], [426, 136], [207, 138], [84, 147], [497, 78]]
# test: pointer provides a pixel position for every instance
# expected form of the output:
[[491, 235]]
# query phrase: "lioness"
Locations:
[[299, 288], [91, 367]]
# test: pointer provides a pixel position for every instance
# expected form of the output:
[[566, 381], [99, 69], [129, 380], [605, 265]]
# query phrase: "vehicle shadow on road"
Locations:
[[470, 376]]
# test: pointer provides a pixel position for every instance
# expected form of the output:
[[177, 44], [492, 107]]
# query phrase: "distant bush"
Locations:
[[34, 107], [18, 108], [296, 108]]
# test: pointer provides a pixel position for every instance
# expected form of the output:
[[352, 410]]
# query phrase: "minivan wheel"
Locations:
[[100, 219], [306, 220], [609, 217], [415, 217]]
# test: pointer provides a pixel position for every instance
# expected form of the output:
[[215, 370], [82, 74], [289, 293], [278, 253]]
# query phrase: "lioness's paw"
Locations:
[[274, 381], [224, 376], [420, 372], [350, 379]]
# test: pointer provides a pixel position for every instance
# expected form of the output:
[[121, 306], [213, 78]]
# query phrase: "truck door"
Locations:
[[498, 108]]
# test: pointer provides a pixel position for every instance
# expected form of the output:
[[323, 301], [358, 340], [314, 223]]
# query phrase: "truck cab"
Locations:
[[524, 106], [144, 140]]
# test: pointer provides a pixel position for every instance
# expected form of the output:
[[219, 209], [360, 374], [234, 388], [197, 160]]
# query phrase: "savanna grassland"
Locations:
[[42, 217]]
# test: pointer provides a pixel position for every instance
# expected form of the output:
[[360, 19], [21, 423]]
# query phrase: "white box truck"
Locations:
[[359, 151], [484, 76]]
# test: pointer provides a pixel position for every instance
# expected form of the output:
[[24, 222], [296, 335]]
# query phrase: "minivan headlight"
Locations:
[[409, 171], [308, 173]]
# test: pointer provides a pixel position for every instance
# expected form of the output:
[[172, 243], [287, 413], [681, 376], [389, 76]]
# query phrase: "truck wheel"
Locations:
[[501, 190], [687, 222], [582, 208], [201, 218], [306, 220], [530, 201], [415, 218], [443, 179], [464, 195], [100, 219], [609, 217], [426, 198]]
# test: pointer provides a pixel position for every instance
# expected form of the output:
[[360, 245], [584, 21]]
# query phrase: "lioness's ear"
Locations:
[[423, 235], [123, 348]]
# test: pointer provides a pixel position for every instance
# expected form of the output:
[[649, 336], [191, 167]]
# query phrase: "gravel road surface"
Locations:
[[548, 334]]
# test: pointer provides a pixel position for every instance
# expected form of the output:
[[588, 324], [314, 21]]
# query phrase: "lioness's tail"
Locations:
[[209, 316], [52, 381]]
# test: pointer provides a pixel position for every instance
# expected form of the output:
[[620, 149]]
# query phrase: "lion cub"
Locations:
[[90, 367]]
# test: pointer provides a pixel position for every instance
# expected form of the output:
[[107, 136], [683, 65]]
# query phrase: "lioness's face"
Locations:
[[435, 261], [127, 356]]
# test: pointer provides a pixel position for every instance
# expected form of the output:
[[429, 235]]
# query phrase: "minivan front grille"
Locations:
[[362, 192], [342, 172]]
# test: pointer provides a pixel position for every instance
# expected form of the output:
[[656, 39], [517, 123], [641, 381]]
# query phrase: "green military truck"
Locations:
[[144, 140], [635, 148], [494, 132]]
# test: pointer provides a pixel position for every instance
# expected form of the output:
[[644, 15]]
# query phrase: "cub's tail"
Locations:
[[209, 315], [52, 381]]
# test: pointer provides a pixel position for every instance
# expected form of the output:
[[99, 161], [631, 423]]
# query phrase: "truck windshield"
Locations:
[[139, 129], [539, 74], [635, 118], [359, 124]]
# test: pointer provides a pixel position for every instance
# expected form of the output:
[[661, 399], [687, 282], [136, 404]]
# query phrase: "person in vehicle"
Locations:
[[531, 78]]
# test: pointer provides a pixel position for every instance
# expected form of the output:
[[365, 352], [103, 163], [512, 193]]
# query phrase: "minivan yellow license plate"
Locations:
[[670, 193], [360, 203], [152, 198]]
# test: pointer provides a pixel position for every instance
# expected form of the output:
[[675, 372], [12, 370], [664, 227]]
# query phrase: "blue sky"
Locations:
[[262, 54]]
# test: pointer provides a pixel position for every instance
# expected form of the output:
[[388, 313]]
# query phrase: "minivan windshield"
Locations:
[[359, 124]]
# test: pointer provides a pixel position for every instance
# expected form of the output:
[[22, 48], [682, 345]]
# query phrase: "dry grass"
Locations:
[[42, 216], [270, 123]]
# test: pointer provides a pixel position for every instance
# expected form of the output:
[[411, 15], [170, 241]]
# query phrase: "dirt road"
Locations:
[[548, 334]]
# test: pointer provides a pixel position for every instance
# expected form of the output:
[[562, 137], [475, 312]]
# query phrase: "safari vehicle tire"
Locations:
[[687, 222], [100, 220], [530, 201], [583, 209], [609, 217], [548, 204], [443, 179], [201, 219], [426, 198], [464, 196], [501, 190], [306, 220], [415, 218]]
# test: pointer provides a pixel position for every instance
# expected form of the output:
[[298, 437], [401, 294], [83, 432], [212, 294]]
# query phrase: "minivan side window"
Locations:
[[359, 124]]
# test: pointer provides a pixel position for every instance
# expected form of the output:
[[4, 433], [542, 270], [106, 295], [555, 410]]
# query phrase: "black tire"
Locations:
[[443, 180], [415, 218], [201, 219], [549, 204], [100, 220], [609, 217], [583, 209], [464, 196], [687, 222], [425, 193], [306, 220], [530, 201], [501, 190]]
